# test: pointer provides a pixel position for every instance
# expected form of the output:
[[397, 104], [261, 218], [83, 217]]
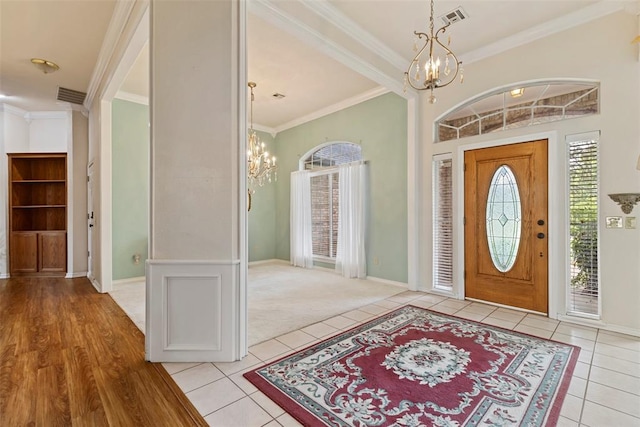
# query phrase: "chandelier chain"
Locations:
[[424, 71]]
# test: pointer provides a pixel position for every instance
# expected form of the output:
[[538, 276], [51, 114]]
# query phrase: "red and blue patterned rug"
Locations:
[[415, 367]]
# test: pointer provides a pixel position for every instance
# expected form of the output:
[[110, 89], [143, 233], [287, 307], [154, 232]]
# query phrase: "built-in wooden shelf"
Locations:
[[38, 214]]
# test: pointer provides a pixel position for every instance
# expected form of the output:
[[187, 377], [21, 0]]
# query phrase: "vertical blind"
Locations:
[[583, 225], [442, 224]]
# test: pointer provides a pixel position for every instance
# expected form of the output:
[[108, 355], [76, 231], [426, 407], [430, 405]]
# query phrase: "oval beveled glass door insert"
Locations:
[[503, 219]]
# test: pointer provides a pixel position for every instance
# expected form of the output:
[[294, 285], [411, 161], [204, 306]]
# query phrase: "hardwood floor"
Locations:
[[69, 356]]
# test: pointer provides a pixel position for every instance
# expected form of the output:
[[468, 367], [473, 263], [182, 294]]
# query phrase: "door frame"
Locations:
[[89, 224], [555, 194]]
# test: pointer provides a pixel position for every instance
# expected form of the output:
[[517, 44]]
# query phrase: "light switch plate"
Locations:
[[630, 222]]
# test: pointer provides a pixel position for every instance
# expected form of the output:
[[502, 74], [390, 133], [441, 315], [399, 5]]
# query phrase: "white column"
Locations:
[[195, 274]]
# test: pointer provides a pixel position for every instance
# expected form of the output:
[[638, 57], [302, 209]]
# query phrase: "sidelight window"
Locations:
[[442, 223], [584, 289]]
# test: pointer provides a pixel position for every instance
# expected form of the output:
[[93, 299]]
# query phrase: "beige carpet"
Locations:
[[284, 298], [281, 298]]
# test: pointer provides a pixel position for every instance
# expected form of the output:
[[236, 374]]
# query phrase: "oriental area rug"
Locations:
[[415, 367]]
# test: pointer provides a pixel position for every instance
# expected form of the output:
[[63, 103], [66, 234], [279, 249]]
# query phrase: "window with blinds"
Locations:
[[584, 290], [442, 223], [324, 214], [325, 191]]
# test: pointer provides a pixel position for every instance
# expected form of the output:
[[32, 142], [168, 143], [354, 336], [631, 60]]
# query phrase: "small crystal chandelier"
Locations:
[[260, 167], [424, 70]]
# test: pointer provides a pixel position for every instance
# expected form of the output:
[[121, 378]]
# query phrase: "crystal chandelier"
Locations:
[[424, 70], [260, 167]]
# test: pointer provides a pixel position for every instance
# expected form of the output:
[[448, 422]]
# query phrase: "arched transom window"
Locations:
[[517, 106], [331, 154]]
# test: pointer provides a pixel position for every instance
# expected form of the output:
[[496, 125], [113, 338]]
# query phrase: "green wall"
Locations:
[[380, 127], [130, 187], [262, 216]]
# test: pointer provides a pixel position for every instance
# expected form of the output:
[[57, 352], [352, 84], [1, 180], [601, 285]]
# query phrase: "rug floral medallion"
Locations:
[[415, 367]]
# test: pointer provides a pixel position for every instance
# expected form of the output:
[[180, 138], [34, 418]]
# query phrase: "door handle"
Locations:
[[540, 236]]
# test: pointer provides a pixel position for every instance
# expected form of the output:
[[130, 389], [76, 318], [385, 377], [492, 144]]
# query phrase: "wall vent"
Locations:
[[69, 95], [456, 15]]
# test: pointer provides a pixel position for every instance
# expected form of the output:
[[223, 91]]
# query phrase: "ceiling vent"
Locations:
[[70, 95], [456, 15]]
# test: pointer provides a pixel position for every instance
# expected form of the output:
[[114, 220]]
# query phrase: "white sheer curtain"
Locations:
[[351, 258], [301, 248]]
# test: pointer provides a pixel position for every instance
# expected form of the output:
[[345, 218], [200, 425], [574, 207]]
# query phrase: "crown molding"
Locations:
[[39, 115], [268, 11], [553, 26], [125, 20], [117, 23], [132, 97], [365, 96], [331, 14], [265, 129], [34, 115], [13, 110]]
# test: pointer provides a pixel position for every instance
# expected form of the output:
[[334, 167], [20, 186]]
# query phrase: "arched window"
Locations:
[[323, 161], [519, 105], [331, 154]]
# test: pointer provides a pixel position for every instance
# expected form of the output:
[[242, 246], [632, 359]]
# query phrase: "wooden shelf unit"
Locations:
[[38, 214]]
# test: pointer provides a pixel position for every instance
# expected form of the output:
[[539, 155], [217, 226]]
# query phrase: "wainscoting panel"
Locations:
[[192, 294], [192, 310]]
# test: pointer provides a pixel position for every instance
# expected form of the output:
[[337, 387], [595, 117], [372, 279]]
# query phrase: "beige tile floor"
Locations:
[[604, 390]]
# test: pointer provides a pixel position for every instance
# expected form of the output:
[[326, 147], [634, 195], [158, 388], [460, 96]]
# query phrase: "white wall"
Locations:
[[28, 132], [16, 130], [197, 235], [36, 132], [49, 132], [78, 210], [581, 53]]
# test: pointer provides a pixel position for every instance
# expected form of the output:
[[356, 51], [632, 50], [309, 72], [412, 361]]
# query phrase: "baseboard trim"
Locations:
[[441, 292], [598, 324], [622, 330], [4, 276], [269, 261], [76, 275], [95, 284], [129, 280], [388, 282]]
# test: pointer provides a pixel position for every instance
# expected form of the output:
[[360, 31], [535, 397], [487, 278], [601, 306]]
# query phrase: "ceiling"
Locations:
[[321, 54]]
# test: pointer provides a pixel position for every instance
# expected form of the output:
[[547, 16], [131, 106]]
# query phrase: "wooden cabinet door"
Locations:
[[24, 252], [52, 246]]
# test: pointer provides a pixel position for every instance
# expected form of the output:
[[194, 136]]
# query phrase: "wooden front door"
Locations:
[[506, 225]]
